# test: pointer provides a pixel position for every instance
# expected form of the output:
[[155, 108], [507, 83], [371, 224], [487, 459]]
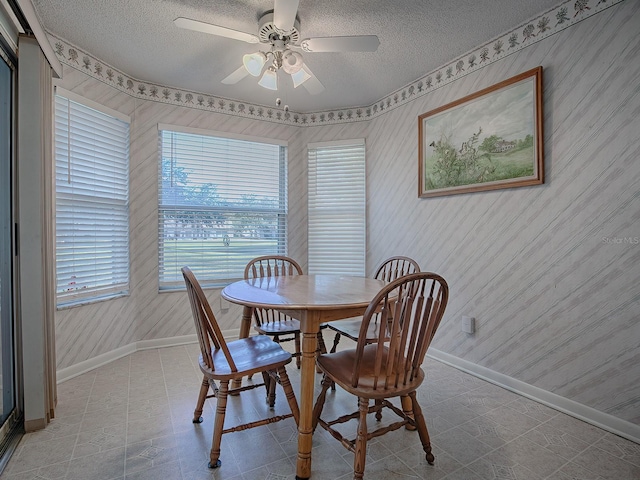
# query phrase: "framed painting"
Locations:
[[487, 140]]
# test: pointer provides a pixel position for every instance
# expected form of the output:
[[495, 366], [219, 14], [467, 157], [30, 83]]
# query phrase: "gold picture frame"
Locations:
[[488, 140]]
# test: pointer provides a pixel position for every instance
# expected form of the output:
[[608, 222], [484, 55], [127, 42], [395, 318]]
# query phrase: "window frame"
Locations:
[[358, 266], [282, 211], [100, 293]]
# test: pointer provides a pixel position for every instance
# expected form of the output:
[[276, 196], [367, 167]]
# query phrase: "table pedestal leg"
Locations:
[[307, 373], [245, 328]]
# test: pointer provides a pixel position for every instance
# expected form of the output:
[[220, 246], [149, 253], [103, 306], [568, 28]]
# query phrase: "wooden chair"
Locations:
[[273, 323], [413, 305], [388, 271], [223, 362], [280, 327]]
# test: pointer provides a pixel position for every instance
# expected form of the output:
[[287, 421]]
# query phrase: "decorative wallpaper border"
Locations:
[[553, 21]]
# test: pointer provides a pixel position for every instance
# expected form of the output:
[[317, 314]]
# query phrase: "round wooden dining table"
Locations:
[[313, 300]]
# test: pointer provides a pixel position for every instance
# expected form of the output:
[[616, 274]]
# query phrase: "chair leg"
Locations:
[[317, 408], [336, 340], [218, 426], [271, 396], [422, 428], [321, 346], [266, 378], [379, 412], [202, 396], [296, 340], [361, 440], [407, 409], [288, 391]]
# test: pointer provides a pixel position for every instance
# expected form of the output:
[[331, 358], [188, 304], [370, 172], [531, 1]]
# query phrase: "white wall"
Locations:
[[556, 306]]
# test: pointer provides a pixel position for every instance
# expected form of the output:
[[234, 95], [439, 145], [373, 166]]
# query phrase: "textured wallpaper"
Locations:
[[552, 272]]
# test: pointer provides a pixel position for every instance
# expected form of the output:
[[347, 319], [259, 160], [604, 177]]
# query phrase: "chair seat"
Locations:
[[351, 329], [251, 355], [289, 325], [339, 367]]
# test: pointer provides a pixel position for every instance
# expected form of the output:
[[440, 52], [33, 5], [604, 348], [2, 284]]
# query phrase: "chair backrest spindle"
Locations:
[[270, 266], [413, 305], [207, 328], [389, 270], [395, 267]]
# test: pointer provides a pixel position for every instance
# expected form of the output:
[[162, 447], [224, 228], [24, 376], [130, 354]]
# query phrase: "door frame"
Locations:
[[12, 429]]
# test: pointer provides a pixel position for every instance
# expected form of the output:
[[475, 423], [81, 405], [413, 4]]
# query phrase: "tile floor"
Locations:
[[131, 419]]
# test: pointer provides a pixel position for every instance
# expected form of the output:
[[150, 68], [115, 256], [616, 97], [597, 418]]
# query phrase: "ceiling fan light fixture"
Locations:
[[269, 79], [301, 76], [254, 62], [291, 62]]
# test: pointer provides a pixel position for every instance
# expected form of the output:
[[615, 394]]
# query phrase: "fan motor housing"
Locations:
[[268, 32]]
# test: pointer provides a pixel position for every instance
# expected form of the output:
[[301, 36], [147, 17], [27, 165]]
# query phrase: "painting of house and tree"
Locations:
[[491, 139]]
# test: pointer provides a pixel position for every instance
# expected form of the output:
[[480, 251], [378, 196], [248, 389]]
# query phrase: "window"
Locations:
[[92, 200], [222, 202], [337, 214]]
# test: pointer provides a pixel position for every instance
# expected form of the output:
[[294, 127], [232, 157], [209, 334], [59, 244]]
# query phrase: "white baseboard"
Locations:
[[87, 365], [82, 367], [590, 415], [166, 342]]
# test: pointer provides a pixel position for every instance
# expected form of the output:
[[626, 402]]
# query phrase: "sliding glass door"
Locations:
[[8, 398]]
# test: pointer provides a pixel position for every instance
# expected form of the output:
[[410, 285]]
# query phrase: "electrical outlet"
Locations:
[[468, 324]]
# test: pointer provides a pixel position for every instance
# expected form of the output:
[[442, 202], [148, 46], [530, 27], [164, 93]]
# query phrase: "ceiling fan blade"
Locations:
[[284, 14], [198, 26], [312, 84], [357, 43], [236, 76]]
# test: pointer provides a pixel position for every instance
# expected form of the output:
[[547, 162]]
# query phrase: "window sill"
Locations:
[[205, 286], [88, 301]]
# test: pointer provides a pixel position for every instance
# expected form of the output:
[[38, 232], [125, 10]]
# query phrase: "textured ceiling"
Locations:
[[139, 38]]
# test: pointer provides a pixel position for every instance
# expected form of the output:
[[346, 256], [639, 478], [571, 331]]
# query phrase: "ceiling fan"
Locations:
[[279, 31]]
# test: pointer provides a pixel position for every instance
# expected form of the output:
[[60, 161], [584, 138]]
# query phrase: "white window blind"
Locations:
[[222, 202], [337, 214], [92, 202]]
